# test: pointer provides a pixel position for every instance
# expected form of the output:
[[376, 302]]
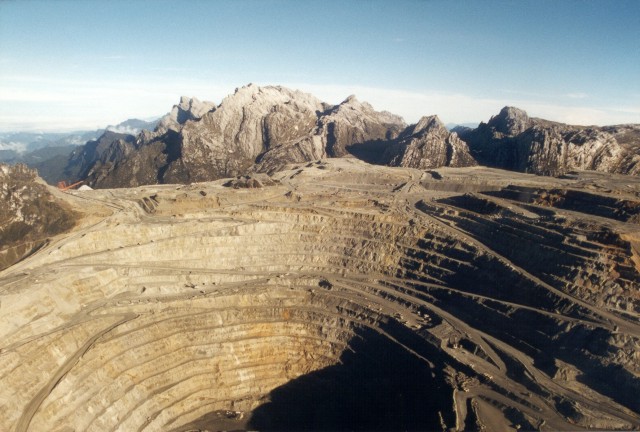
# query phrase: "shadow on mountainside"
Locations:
[[372, 152]]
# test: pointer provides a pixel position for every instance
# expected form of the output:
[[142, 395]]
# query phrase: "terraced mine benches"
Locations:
[[306, 303]]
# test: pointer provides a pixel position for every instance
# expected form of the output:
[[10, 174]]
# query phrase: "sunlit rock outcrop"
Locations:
[[511, 140]]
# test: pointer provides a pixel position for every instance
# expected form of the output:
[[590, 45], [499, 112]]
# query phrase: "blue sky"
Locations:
[[85, 64]]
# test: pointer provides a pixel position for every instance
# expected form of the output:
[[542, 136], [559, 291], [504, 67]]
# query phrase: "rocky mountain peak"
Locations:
[[427, 123], [511, 140], [354, 122], [262, 129], [354, 104], [251, 121], [351, 99], [267, 98], [428, 144], [189, 108], [510, 121]]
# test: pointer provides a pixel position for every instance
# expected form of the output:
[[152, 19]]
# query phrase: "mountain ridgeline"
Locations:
[[263, 129], [513, 141]]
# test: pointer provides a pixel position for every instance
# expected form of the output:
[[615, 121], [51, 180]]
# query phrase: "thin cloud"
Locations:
[[124, 130], [18, 147]]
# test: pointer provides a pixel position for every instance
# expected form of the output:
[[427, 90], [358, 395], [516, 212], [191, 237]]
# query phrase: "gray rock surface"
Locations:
[[337, 129], [354, 122], [263, 129], [252, 121], [428, 144], [187, 109], [513, 141], [255, 129]]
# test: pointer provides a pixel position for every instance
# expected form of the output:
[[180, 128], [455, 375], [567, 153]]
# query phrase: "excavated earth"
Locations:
[[332, 295]]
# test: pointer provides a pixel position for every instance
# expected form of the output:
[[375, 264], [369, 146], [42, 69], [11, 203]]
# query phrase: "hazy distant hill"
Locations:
[[133, 126], [13, 144], [49, 153], [16, 143], [453, 126]]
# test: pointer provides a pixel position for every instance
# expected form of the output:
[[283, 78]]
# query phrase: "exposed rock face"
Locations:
[[428, 144], [29, 214], [513, 141], [262, 129], [339, 297], [187, 109], [122, 160], [227, 141], [628, 137], [255, 129], [338, 128], [354, 122], [510, 121], [95, 159]]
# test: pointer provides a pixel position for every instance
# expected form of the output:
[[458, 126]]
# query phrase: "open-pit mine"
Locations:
[[331, 295]]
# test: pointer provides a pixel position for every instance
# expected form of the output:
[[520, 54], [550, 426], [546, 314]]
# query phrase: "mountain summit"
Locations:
[[263, 129], [514, 141], [428, 144], [510, 121], [255, 128]]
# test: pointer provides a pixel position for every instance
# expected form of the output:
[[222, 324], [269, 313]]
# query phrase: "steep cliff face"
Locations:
[[275, 126], [513, 141], [337, 129], [254, 129], [510, 121], [428, 144], [187, 109], [96, 158], [263, 129], [354, 122], [227, 141], [628, 136], [122, 160]]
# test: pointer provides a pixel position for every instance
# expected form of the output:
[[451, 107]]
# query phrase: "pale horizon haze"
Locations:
[[81, 65]]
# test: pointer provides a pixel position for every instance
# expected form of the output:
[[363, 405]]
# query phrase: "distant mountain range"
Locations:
[[262, 129], [48, 152], [453, 126], [14, 144], [22, 142]]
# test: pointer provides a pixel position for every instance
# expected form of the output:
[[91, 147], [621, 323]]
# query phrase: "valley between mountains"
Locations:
[[276, 263]]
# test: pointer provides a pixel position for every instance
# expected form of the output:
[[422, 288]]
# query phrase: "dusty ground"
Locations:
[[344, 296]]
